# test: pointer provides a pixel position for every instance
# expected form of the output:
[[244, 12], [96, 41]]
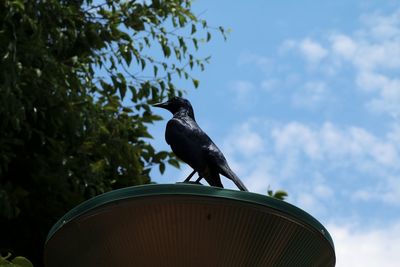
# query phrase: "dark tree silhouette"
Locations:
[[77, 79]]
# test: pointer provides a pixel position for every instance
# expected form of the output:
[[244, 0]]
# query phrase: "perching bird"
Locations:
[[193, 146]]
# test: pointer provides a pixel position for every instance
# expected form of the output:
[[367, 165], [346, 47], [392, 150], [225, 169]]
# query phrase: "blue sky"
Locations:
[[305, 96]]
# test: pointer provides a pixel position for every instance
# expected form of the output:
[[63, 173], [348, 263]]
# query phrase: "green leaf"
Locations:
[[22, 262], [161, 155], [174, 163], [143, 63], [182, 20], [155, 70], [98, 166], [195, 43], [181, 41], [147, 42], [193, 29], [162, 168], [18, 4], [191, 61], [127, 110], [177, 53], [195, 83], [38, 73], [122, 91], [166, 50], [280, 194]]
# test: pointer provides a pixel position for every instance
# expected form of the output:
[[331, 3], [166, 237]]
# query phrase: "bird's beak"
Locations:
[[161, 105]]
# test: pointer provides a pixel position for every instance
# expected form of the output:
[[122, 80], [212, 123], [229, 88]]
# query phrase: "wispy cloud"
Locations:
[[312, 50], [383, 26], [366, 62], [372, 52], [386, 90], [360, 247], [243, 92], [329, 142], [311, 95], [301, 157], [245, 140], [343, 45], [270, 85], [264, 63]]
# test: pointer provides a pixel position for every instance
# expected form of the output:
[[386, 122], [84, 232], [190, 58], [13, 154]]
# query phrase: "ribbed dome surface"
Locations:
[[187, 225]]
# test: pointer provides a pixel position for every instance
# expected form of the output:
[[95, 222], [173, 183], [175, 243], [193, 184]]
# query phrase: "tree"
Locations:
[[77, 79]]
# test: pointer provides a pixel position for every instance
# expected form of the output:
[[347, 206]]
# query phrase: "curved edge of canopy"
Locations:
[[193, 190]]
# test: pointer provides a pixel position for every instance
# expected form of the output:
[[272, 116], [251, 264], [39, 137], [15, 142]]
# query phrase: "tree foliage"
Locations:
[[278, 194], [15, 262], [77, 79]]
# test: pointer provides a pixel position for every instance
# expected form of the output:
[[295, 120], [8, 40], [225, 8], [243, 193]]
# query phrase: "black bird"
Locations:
[[193, 146]]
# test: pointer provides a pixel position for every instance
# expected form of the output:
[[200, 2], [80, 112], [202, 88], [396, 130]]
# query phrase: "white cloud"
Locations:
[[383, 26], [245, 150], [370, 81], [260, 174], [312, 51], [323, 191], [394, 134], [265, 64], [387, 191], [243, 92], [359, 247], [314, 195], [243, 87], [372, 56], [270, 84], [295, 138], [343, 45], [311, 95], [388, 90], [373, 52], [245, 140], [331, 142], [300, 156]]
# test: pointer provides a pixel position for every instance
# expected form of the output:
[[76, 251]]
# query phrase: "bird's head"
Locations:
[[177, 104]]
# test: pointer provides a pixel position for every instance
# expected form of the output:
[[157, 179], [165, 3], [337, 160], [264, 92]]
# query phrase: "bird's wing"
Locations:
[[186, 140], [193, 146], [188, 130]]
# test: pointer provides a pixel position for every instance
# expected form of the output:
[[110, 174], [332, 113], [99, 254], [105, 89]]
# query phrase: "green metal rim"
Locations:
[[193, 190]]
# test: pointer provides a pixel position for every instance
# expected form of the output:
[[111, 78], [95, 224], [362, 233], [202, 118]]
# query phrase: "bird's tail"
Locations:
[[239, 183], [231, 175]]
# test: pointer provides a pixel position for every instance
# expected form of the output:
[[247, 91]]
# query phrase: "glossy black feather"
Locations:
[[193, 146]]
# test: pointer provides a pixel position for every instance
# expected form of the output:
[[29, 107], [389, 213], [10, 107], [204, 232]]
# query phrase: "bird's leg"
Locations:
[[190, 176], [199, 179]]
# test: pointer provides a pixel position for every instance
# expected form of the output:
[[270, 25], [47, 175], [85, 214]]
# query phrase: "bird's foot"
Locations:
[[190, 176]]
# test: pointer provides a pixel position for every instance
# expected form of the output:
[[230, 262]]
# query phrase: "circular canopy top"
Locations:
[[187, 225]]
